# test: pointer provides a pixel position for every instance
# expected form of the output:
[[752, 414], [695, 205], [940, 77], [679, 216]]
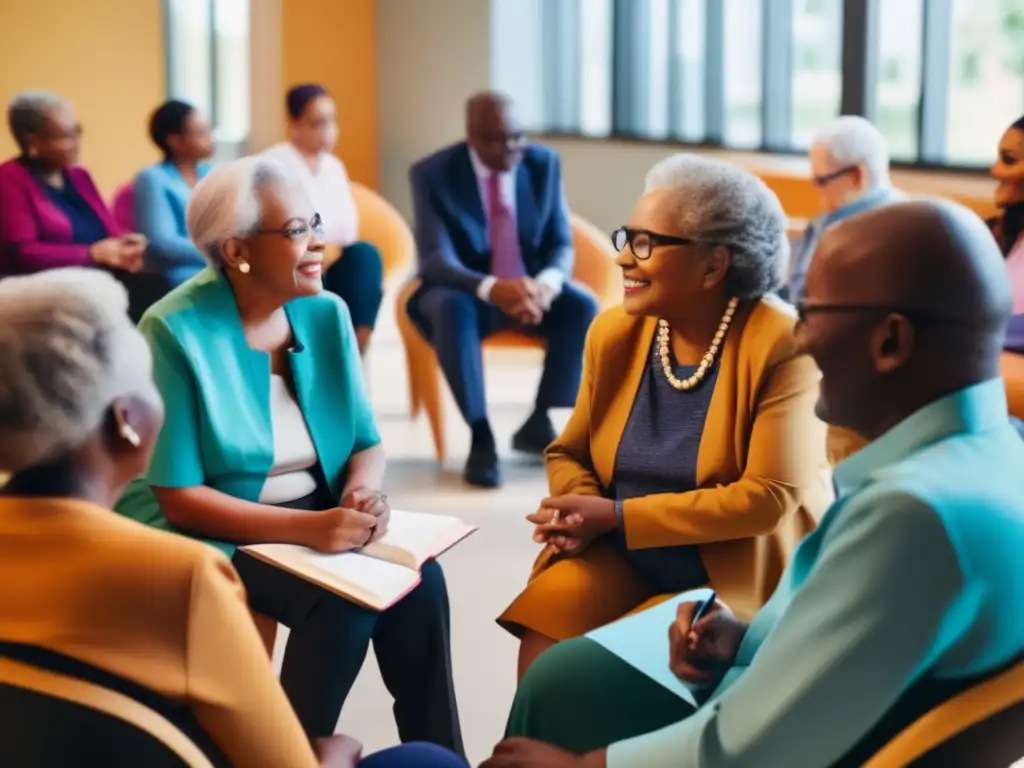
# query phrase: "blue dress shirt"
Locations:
[[159, 199], [914, 573]]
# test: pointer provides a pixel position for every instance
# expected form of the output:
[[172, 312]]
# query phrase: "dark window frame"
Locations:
[[859, 71]]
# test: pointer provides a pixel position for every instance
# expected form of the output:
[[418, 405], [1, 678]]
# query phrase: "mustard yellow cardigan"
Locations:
[[762, 473]]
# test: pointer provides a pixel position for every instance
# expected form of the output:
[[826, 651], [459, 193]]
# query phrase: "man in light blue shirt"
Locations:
[[909, 590], [850, 167]]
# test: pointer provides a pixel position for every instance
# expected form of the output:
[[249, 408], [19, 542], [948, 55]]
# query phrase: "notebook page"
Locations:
[[641, 640], [415, 537], [374, 583]]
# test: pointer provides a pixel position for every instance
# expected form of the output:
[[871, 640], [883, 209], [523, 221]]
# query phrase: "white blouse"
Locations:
[[330, 190], [291, 477]]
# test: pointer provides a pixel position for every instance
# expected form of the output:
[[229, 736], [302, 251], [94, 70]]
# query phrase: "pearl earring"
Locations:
[[244, 267], [130, 435]]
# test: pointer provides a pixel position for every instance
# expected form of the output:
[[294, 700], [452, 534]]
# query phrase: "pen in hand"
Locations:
[[705, 604]]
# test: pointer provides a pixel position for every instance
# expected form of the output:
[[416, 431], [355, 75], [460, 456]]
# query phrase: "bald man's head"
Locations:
[[493, 131], [904, 303]]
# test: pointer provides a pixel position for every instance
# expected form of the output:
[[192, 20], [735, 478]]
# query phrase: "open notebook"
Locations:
[[380, 574], [641, 640]]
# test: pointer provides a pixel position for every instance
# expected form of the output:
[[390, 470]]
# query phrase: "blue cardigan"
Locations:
[[159, 200], [216, 391]]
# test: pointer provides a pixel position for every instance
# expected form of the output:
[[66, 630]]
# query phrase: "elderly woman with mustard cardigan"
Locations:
[[693, 455]]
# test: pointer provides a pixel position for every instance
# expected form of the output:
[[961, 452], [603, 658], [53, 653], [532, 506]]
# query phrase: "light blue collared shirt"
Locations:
[[915, 570], [800, 259]]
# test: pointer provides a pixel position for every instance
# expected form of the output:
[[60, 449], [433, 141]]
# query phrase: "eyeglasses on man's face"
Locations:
[[296, 229], [643, 242], [827, 178]]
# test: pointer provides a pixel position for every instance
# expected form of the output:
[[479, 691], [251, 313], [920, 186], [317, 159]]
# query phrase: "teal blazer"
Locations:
[[216, 392]]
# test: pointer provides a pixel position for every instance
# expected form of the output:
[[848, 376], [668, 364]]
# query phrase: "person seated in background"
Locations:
[[908, 592], [495, 251], [850, 167], [52, 215], [693, 455], [156, 617], [353, 268], [270, 437], [160, 192]]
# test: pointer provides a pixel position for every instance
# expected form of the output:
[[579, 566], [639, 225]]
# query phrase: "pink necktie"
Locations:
[[506, 259]]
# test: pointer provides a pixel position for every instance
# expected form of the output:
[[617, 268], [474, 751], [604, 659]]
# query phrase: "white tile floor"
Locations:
[[485, 571]]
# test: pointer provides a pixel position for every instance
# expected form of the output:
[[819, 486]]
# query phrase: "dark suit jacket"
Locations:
[[451, 225]]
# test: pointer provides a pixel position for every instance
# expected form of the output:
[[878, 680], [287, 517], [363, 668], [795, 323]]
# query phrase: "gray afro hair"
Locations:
[[67, 351], [720, 203]]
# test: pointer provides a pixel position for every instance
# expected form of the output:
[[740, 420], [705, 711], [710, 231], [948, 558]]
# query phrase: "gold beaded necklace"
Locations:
[[664, 338]]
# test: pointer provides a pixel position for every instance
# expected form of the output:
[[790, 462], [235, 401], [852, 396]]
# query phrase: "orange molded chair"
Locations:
[[983, 727], [1012, 366], [380, 223], [594, 268]]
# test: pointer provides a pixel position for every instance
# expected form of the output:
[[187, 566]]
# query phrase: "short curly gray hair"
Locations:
[[26, 114], [226, 203], [721, 203], [67, 351]]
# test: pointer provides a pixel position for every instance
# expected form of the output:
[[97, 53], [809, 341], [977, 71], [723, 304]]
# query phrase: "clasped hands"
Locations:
[[361, 518], [521, 298], [568, 523], [125, 252]]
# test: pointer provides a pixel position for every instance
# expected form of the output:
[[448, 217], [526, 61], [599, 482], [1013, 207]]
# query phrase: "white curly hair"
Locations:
[[720, 203], [67, 351], [226, 203]]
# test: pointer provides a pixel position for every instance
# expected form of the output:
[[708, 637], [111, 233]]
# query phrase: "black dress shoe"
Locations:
[[482, 468], [535, 435]]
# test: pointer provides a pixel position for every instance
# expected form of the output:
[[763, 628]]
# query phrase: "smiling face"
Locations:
[[285, 255], [1008, 170], [674, 276]]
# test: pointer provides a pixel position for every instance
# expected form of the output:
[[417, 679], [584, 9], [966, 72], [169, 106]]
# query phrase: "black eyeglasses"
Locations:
[[825, 179], [641, 242], [297, 229], [804, 309]]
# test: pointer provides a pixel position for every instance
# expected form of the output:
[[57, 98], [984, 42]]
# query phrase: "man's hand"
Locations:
[[571, 521], [338, 751], [527, 753], [519, 298], [701, 653]]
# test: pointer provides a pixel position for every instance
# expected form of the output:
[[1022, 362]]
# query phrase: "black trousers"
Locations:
[[144, 290], [328, 643]]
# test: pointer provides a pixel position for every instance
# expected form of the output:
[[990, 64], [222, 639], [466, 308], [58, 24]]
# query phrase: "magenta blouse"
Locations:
[[35, 234]]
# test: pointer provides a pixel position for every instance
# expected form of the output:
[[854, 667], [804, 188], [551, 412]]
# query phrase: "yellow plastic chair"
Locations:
[[983, 727], [380, 223], [594, 268], [46, 707]]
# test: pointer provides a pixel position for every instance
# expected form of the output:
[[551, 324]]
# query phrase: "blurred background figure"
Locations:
[[495, 249], [160, 192], [850, 168], [52, 214], [352, 268]]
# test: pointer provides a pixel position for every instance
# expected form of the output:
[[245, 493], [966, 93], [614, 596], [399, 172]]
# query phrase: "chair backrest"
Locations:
[[49, 719], [983, 727], [381, 224], [123, 207], [595, 261]]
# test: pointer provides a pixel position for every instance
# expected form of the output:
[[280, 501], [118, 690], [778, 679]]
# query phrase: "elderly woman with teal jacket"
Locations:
[[270, 437]]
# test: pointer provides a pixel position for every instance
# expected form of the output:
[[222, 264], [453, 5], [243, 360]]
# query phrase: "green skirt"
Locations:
[[581, 697]]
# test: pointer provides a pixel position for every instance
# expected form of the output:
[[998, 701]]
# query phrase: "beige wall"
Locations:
[[107, 56], [431, 54]]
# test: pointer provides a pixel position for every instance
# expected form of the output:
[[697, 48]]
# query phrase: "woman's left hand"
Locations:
[[372, 503], [569, 522], [527, 753]]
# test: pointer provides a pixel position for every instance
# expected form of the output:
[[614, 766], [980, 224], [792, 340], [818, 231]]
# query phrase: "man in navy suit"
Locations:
[[495, 252]]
